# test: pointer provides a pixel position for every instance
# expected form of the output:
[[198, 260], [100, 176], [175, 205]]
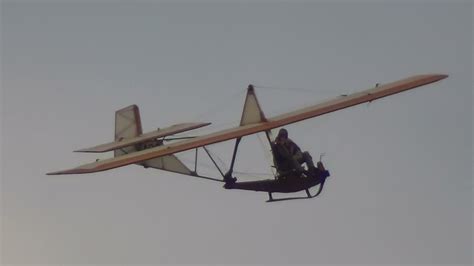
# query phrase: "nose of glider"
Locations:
[[441, 76], [322, 169], [321, 166]]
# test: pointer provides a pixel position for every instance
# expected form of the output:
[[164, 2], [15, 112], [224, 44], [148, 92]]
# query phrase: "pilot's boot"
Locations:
[[309, 162], [321, 166]]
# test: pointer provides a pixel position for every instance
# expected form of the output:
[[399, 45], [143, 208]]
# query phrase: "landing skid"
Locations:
[[309, 196]]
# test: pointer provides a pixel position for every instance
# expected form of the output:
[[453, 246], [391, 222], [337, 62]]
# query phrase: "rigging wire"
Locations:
[[267, 153], [243, 174], [296, 89], [200, 164], [294, 97], [222, 103], [254, 175], [219, 159]]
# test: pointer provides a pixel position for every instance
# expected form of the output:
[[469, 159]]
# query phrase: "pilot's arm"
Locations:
[[293, 147]]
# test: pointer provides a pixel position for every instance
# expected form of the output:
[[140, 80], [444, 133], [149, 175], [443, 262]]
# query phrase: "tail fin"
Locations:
[[127, 125]]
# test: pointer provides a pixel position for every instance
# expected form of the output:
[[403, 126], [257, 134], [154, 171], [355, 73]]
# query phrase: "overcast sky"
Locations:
[[400, 190]]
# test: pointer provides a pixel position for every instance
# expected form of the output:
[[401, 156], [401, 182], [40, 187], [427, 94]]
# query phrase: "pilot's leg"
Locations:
[[308, 160], [298, 160]]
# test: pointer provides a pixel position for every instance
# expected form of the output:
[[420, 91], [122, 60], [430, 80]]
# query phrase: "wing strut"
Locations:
[[213, 161], [196, 160], [228, 176], [268, 133], [251, 114]]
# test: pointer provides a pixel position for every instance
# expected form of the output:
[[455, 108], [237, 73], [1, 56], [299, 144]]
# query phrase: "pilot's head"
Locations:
[[282, 134]]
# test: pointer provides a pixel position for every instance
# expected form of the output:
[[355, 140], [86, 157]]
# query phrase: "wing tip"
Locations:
[[440, 76], [57, 173], [425, 79], [69, 172]]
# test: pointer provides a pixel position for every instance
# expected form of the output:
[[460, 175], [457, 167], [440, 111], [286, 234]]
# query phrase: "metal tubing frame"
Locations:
[[234, 154], [195, 161]]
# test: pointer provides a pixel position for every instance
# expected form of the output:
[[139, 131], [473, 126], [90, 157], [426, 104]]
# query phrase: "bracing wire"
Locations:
[[255, 175], [296, 89], [311, 96], [207, 166], [222, 103], [267, 154], [200, 164], [217, 158], [222, 164]]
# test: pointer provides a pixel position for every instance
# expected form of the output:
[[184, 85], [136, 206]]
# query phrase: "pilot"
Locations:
[[287, 149]]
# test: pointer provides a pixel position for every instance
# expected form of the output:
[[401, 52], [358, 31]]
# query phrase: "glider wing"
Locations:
[[252, 128]]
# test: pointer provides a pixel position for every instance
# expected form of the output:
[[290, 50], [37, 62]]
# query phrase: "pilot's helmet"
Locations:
[[283, 133]]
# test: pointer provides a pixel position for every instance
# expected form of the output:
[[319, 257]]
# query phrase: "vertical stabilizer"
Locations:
[[252, 112], [127, 125]]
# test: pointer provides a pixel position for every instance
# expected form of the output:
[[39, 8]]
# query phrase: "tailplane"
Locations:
[[128, 125]]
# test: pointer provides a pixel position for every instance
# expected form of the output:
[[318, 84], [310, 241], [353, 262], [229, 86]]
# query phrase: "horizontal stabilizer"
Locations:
[[178, 128], [168, 163]]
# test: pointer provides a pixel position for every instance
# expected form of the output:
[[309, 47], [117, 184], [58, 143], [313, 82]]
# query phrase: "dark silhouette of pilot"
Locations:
[[287, 152]]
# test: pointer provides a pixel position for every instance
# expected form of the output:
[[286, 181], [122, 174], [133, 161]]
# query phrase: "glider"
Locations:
[[132, 146]]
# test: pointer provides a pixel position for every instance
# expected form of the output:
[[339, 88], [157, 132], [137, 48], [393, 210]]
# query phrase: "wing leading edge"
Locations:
[[274, 122]]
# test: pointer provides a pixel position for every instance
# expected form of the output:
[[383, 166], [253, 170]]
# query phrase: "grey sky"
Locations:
[[401, 184]]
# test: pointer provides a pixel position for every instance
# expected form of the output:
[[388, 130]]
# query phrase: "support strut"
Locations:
[[228, 176], [268, 133], [213, 161], [195, 160]]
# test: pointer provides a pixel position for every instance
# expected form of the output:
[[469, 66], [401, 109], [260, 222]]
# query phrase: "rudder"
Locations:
[[127, 125]]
